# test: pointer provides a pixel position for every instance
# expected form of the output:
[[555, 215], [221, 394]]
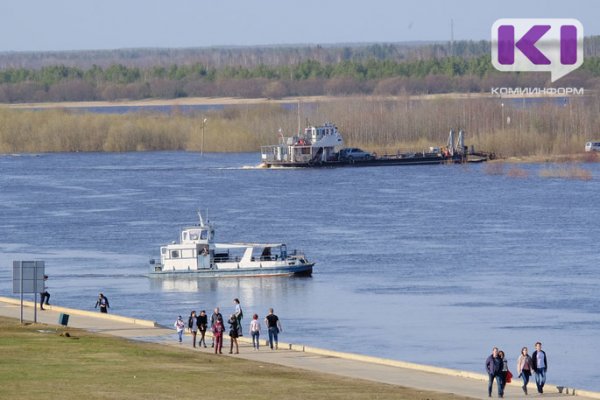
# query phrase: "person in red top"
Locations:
[[218, 329]]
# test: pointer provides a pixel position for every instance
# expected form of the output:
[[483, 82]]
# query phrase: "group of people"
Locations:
[[497, 369], [199, 323]]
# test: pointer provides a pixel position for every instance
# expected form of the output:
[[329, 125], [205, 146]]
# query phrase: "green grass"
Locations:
[[35, 364]]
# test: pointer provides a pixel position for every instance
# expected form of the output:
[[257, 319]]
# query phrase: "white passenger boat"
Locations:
[[197, 254]]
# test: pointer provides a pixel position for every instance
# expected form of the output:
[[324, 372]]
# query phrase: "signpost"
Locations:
[[28, 277]]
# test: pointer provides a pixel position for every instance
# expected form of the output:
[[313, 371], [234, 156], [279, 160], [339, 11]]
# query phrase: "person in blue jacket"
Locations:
[[493, 365], [539, 364]]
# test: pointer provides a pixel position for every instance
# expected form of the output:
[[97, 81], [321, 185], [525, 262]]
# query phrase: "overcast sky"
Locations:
[[42, 25]]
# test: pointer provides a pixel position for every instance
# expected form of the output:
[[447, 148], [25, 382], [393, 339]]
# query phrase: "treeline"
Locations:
[[361, 70], [383, 125], [307, 78], [248, 56], [253, 56]]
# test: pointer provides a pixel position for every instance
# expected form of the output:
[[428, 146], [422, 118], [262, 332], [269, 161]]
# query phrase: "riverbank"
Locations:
[[199, 101], [538, 127], [361, 376]]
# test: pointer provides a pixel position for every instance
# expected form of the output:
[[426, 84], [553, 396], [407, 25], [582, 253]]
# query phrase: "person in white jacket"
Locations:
[[255, 331], [180, 326]]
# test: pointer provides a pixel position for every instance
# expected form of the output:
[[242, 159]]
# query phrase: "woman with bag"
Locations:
[[503, 374], [524, 368], [202, 324], [193, 327], [233, 334]]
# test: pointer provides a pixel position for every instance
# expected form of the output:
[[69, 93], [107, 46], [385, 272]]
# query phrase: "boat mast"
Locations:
[[298, 109], [201, 219]]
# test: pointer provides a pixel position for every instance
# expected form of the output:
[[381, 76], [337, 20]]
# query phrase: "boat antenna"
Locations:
[[298, 108], [201, 219]]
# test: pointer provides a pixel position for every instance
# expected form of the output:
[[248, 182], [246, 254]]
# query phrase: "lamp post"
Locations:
[[203, 126]]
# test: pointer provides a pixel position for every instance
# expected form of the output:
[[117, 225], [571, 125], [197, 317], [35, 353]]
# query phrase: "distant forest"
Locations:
[[273, 72]]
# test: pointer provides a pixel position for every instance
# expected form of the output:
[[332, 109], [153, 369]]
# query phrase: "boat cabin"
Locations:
[[315, 145]]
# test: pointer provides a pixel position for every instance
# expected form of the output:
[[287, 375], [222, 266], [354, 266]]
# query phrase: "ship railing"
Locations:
[[226, 258], [296, 253], [269, 153]]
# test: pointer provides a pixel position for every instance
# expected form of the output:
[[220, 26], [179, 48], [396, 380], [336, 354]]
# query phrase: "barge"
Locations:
[[323, 146]]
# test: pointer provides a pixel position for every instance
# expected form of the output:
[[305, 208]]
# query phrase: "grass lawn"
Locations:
[[36, 361]]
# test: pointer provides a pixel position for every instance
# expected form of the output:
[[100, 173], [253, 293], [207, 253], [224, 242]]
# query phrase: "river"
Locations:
[[429, 264]]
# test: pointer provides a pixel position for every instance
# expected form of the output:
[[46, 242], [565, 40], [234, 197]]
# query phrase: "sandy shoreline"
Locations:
[[196, 101]]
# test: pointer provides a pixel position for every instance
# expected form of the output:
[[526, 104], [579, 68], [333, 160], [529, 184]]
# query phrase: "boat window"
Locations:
[[203, 234], [184, 235], [194, 235], [174, 254]]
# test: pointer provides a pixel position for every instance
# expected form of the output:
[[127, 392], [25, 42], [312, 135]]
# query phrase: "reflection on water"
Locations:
[[251, 289], [431, 264]]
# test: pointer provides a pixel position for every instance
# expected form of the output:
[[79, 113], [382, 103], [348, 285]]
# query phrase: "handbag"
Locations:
[[509, 376]]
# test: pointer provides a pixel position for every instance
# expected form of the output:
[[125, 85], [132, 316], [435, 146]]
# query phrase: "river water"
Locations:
[[430, 264]]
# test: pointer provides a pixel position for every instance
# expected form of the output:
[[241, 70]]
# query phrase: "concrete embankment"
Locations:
[[357, 366]]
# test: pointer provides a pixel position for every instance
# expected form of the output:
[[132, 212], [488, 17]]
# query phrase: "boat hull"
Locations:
[[375, 162], [296, 270]]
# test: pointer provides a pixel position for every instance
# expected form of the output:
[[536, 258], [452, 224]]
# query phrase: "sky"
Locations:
[[43, 25]]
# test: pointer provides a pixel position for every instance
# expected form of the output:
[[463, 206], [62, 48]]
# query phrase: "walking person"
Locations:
[[217, 329], [540, 366], [503, 373], [103, 303], [493, 365], [274, 328], [255, 332], [239, 315], [202, 323], [233, 334], [180, 326], [213, 320], [44, 295], [193, 327], [524, 366]]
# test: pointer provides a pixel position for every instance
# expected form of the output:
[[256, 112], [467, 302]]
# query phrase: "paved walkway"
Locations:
[[345, 364]]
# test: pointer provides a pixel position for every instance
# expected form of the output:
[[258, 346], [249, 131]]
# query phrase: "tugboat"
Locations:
[[318, 145], [198, 255], [323, 146]]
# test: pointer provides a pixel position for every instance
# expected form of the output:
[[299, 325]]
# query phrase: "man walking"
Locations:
[[44, 295], [493, 365], [274, 327], [539, 366]]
